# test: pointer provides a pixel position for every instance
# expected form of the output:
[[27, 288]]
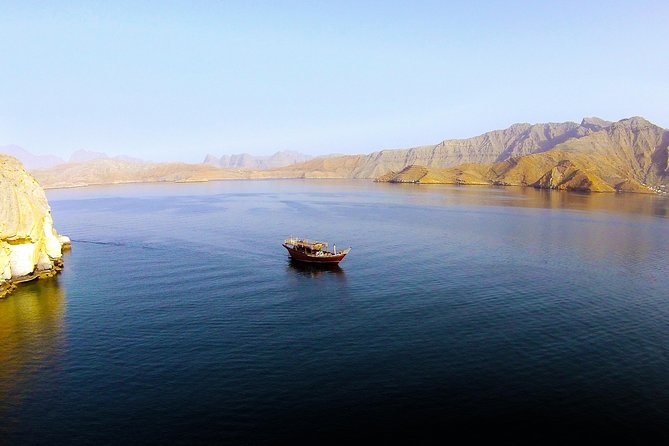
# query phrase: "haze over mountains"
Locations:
[[247, 161], [31, 161], [595, 155]]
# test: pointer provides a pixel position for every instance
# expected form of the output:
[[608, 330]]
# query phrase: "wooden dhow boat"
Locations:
[[311, 251]]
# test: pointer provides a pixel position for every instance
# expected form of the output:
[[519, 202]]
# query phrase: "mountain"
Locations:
[[625, 156], [29, 160], [621, 155], [83, 156], [490, 147], [344, 166], [117, 171], [246, 161], [212, 160], [497, 145], [596, 155], [38, 162]]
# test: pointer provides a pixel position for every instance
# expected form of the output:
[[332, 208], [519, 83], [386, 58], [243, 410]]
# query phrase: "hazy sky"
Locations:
[[176, 80]]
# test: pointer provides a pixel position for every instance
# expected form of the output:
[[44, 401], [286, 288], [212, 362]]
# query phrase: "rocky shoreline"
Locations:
[[30, 248]]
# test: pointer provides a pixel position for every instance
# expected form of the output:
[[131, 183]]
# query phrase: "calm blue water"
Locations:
[[494, 313]]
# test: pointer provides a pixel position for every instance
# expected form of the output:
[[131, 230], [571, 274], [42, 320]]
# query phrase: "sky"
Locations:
[[170, 80]]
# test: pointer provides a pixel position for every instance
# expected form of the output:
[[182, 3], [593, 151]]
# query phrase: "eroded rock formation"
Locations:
[[29, 245]]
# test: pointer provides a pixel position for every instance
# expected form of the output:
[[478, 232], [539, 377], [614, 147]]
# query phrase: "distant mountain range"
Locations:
[[247, 161], [240, 161], [33, 162], [84, 156], [595, 155], [118, 171]]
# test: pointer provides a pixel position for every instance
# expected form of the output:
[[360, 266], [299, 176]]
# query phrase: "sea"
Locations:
[[461, 314]]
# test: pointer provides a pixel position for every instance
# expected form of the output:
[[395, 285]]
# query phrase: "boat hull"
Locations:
[[301, 256]]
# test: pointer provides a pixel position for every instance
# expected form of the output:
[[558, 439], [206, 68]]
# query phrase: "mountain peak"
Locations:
[[83, 155], [595, 123], [30, 160], [248, 161], [212, 160], [636, 122]]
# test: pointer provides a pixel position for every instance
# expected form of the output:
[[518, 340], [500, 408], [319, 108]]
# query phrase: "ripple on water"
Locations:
[[181, 319]]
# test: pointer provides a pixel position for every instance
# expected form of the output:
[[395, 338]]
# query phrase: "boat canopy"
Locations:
[[313, 244]]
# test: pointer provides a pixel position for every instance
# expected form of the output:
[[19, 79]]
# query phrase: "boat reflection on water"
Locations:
[[315, 270]]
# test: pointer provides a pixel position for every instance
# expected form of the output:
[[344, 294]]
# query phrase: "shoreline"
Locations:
[[122, 183], [10, 285], [374, 180]]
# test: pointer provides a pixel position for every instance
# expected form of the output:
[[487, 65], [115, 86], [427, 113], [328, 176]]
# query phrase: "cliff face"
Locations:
[[628, 149], [497, 145], [29, 245]]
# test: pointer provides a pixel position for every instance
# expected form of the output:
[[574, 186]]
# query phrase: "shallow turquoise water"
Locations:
[[495, 313]]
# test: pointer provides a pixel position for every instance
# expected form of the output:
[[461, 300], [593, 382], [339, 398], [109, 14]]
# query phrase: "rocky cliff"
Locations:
[[490, 147], [626, 156], [29, 245]]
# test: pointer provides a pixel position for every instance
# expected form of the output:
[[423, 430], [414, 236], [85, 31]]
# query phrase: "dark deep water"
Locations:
[[489, 313]]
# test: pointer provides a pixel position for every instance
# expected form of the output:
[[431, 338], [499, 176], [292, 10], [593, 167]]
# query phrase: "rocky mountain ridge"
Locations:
[[627, 155]]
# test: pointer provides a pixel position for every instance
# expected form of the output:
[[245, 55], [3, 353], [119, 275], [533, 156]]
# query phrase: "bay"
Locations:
[[500, 313]]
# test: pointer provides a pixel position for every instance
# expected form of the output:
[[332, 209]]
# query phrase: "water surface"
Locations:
[[491, 312]]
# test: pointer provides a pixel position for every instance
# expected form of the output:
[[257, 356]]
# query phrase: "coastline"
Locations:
[[374, 180], [210, 180], [9, 285]]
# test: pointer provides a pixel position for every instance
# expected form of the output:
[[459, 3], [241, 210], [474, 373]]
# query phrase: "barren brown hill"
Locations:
[[623, 156], [550, 170], [472, 174], [498, 145], [334, 167], [631, 147], [115, 171]]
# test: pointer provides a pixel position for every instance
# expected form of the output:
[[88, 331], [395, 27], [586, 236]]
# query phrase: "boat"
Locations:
[[311, 251]]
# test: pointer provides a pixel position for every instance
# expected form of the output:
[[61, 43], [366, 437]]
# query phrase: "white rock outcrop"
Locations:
[[29, 245]]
